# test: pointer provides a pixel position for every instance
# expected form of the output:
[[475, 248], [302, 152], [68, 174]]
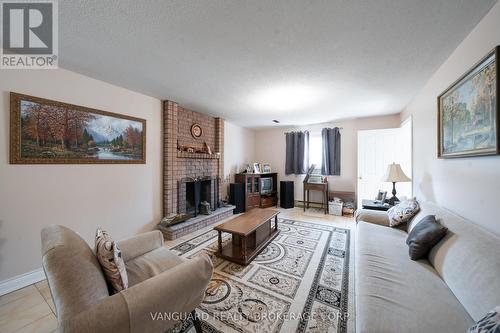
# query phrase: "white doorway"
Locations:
[[376, 150]]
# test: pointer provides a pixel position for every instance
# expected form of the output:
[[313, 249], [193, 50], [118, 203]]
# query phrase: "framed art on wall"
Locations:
[[44, 131], [468, 119]]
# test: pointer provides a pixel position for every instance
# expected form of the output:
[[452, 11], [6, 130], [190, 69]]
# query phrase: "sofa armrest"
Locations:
[[372, 216], [136, 246], [145, 306], [177, 292], [110, 314]]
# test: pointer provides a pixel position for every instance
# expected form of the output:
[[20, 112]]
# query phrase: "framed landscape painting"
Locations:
[[468, 116], [43, 131]]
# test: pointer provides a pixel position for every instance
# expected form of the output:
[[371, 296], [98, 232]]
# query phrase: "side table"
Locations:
[[375, 205]]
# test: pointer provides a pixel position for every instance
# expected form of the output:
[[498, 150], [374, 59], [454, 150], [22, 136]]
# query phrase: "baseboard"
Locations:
[[21, 281], [301, 204]]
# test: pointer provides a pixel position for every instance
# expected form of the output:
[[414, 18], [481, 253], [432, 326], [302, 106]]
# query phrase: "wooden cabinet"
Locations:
[[268, 201], [252, 189], [253, 197]]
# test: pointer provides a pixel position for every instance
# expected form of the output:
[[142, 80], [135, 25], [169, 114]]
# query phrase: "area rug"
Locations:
[[298, 283]]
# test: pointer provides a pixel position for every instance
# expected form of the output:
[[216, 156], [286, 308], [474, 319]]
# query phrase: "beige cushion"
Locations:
[[178, 290], [467, 259], [394, 293], [138, 245], [150, 264], [372, 216], [110, 257]]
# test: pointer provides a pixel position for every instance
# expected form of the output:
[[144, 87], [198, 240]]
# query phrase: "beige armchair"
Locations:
[[159, 282]]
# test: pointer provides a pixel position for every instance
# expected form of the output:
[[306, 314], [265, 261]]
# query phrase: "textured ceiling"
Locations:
[[254, 61]]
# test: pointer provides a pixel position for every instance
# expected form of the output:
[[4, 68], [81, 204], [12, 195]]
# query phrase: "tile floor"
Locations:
[[31, 309]]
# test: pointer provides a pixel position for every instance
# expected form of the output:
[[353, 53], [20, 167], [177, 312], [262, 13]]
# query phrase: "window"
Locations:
[[315, 149]]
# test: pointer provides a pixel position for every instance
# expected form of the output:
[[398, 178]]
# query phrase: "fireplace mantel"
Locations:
[[185, 154]]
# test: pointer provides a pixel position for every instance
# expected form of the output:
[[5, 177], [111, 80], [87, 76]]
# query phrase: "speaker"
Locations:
[[286, 194], [237, 197]]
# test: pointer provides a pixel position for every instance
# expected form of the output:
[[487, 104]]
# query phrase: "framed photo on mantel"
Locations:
[[43, 131], [468, 116]]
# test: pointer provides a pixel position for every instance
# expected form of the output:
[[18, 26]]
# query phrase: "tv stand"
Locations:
[[253, 198]]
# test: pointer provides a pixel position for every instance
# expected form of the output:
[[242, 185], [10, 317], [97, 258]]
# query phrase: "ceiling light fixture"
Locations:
[[276, 121]]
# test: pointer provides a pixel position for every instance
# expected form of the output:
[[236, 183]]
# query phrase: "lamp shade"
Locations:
[[394, 174]]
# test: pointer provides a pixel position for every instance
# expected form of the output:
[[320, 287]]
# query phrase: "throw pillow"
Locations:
[[403, 212], [110, 257], [490, 323], [422, 238]]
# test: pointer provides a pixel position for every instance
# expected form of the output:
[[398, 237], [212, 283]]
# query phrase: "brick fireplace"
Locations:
[[183, 168]]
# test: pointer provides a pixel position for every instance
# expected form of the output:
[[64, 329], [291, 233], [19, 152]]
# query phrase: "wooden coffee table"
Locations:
[[251, 233]]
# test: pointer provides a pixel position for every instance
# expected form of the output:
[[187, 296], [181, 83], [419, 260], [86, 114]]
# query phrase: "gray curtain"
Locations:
[[297, 152], [331, 151]]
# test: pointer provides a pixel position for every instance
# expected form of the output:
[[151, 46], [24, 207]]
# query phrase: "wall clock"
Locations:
[[196, 131]]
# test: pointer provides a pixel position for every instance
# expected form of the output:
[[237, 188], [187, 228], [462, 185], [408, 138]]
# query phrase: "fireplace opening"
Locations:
[[194, 193]]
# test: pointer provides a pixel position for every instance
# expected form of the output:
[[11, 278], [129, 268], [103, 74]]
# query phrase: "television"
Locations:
[[266, 185]]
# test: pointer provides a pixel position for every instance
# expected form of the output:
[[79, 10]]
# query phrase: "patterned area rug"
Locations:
[[299, 283]]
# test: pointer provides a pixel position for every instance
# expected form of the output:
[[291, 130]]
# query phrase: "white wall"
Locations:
[[468, 186], [239, 150], [125, 199], [270, 148]]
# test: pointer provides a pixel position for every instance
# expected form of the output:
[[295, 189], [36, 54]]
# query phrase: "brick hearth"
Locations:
[[196, 223]]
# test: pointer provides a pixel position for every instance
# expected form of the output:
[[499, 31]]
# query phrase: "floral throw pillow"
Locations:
[[403, 212], [110, 258], [488, 324]]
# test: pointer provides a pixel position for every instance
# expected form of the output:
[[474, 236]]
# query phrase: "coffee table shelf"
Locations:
[[251, 233]]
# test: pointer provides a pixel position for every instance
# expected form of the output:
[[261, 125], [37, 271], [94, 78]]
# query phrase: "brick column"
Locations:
[[170, 123], [177, 122], [219, 148]]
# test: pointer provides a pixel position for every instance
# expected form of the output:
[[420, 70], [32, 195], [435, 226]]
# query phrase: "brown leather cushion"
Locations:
[[422, 238]]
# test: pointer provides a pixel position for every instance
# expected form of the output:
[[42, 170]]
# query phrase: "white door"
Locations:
[[405, 158], [376, 150]]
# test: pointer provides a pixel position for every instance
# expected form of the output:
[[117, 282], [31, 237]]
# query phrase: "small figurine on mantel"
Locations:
[[194, 148], [208, 150]]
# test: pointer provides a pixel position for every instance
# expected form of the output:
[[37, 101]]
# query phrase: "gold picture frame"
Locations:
[[44, 131], [468, 115]]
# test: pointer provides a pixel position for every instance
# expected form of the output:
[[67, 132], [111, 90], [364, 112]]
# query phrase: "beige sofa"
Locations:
[[457, 285], [159, 281]]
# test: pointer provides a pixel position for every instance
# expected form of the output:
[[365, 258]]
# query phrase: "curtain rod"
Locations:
[[340, 128]]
